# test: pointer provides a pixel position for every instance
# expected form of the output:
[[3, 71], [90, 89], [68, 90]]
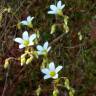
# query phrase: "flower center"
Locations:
[[26, 42], [52, 73]]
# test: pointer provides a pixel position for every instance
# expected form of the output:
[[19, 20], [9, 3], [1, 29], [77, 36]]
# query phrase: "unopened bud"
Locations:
[[23, 60], [23, 55], [66, 83], [29, 60], [53, 28], [66, 19], [19, 25], [80, 36], [6, 63], [55, 92], [71, 92], [65, 24], [66, 28], [38, 91]]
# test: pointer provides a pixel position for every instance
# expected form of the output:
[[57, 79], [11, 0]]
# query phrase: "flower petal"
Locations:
[[62, 6], [25, 35], [45, 71], [32, 37], [52, 66], [53, 7], [39, 47], [18, 40], [45, 45], [24, 22], [47, 76], [21, 46], [29, 18], [59, 4], [48, 49], [52, 12], [55, 77], [32, 18], [31, 43], [58, 69]]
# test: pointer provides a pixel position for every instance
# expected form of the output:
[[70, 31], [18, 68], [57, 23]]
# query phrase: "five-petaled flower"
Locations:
[[57, 10], [51, 72], [28, 22], [43, 50], [26, 40]]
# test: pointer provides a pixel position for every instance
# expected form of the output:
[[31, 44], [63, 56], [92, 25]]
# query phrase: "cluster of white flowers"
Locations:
[[27, 40]]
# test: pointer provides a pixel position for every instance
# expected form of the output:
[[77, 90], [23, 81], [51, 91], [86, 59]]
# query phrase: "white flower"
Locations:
[[43, 50], [57, 9], [28, 22], [26, 40], [51, 72]]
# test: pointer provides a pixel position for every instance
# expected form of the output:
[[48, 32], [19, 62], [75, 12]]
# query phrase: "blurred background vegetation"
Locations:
[[77, 57]]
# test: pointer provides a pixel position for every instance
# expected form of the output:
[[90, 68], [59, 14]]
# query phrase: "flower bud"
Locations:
[[66, 28], [23, 60], [65, 24], [19, 25], [53, 28], [6, 63], [23, 55], [38, 91], [29, 60], [66, 20], [71, 92], [55, 92], [66, 83], [80, 36]]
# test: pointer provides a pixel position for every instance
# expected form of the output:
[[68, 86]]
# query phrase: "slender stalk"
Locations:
[[5, 85]]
